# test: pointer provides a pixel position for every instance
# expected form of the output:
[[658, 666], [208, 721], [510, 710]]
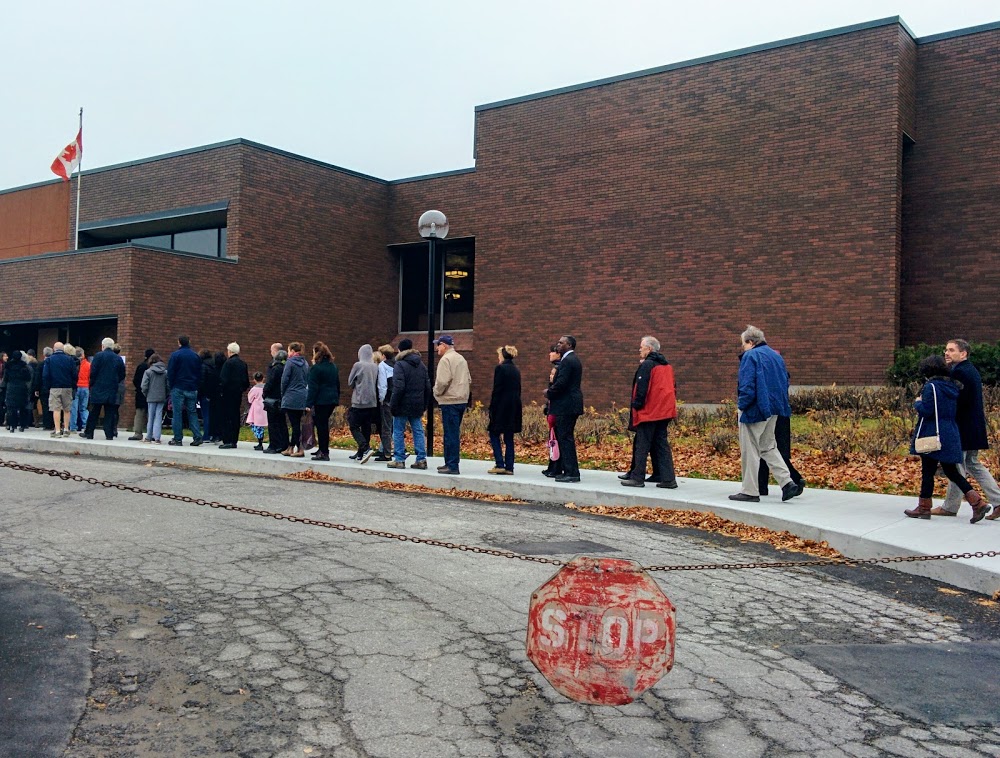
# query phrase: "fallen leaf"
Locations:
[[949, 591], [71, 636]]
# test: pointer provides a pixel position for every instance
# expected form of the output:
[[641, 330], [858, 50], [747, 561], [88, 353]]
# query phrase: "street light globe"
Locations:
[[433, 224]]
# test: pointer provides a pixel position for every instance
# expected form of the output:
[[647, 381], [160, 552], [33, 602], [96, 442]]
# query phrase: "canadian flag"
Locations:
[[69, 159]]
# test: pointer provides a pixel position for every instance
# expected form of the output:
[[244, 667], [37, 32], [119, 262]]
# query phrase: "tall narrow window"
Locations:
[[454, 285]]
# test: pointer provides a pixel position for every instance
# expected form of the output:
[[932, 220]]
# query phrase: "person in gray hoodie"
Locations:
[[363, 381], [295, 395], [155, 388]]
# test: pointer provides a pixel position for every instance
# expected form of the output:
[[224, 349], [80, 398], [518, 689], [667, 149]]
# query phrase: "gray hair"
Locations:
[[79, 352], [106, 343], [47, 351], [234, 348], [652, 343], [281, 355], [752, 334]]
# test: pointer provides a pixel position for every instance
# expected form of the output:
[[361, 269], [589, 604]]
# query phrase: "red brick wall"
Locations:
[[951, 227], [757, 189], [34, 220]]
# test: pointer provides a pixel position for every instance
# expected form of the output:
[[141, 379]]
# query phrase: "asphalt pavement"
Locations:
[[222, 633], [859, 525]]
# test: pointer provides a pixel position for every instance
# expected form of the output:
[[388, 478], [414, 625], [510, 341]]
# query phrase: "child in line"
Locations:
[[257, 416]]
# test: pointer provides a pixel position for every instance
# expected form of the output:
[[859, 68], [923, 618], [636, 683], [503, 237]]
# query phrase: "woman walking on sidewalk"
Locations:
[[294, 394], [363, 381], [936, 409], [505, 410], [324, 396], [155, 389]]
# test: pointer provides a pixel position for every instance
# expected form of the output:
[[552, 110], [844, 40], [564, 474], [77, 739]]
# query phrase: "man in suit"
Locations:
[[566, 404], [971, 429]]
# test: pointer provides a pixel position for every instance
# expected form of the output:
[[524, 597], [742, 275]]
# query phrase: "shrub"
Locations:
[[722, 438], [884, 438], [867, 402]]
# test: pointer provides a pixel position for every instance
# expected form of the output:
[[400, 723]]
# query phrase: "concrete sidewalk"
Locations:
[[858, 525]]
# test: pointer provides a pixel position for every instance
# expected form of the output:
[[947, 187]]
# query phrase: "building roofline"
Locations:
[[438, 175], [202, 149], [959, 33], [699, 61]]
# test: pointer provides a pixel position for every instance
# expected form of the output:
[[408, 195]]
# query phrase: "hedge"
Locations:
[[903, 371]]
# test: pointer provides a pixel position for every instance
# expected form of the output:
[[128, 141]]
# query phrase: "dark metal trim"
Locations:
[[121, 246], [59, 320], [439, 175], [194, 210], [958, 33]]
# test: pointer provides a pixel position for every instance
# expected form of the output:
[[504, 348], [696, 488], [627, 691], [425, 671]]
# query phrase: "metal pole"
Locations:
[[430, 341], [79, 176]]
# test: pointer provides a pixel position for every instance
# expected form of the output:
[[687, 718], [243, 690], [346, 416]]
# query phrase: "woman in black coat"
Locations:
[[17, 379], [505, 410]]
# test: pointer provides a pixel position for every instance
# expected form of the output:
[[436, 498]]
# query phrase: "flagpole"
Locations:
[[79, 176]]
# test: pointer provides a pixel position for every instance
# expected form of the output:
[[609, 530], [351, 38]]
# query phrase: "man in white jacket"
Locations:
[[452, 384]]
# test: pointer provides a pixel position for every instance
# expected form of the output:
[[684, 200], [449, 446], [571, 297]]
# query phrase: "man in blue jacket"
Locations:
[[59, 375], [106, 372], [971, 428], [762, 397], [183, 378]]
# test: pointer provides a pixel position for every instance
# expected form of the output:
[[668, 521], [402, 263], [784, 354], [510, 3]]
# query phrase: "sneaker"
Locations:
[[195, 443], [354, 457], [422, 465], [259, 446], [498, 470], [65, 432], [366, 456], [176, 442], [321, 456], [789, 491], [55, 434], [396, 464], [382, 457]]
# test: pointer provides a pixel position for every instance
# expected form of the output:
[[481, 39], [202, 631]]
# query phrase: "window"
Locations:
[[200, 230], [454, 285]]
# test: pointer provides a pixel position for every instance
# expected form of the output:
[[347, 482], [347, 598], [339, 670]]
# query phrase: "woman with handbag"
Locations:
[[555, 467], [936, 439], [505, 410]]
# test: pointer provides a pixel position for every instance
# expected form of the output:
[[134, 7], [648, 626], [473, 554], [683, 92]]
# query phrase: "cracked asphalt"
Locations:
[[216, 633]]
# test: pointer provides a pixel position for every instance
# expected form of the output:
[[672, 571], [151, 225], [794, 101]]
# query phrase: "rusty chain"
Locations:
[[66, 476]]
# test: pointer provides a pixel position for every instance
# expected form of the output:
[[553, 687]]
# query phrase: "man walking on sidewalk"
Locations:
[[971, 429], [565, 398], [452, 384], [654, 404], [184, 378], [762, 397]]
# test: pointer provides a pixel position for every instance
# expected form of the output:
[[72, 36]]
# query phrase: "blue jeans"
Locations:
[[399, 440], [451, 423], [501, 458], [78, 413], [185, 400], [154, 421]]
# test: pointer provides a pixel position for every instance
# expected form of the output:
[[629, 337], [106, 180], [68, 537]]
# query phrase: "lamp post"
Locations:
[[433, 225]]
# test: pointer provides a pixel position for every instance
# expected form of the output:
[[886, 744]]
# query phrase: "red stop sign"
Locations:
[[601, 631]]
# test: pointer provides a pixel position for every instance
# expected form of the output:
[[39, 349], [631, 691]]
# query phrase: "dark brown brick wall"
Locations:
[[951, 227], [758, 189]]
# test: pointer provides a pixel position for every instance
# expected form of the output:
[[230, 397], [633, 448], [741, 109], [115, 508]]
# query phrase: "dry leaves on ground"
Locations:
[[709, 522], [309, 475]]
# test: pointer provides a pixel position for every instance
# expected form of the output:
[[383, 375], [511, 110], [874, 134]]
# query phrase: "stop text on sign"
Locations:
[[612, 634]]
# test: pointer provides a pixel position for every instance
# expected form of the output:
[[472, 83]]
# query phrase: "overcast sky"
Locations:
[[384, 87]]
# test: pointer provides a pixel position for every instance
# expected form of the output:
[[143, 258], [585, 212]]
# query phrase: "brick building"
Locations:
[[839, 190]]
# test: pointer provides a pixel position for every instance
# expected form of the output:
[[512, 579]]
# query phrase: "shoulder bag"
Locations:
[[932, 443]]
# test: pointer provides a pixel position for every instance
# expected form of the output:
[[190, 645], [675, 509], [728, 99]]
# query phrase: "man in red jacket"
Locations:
[[654, 404]]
